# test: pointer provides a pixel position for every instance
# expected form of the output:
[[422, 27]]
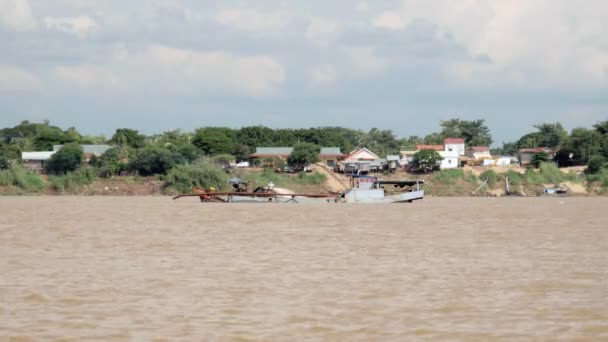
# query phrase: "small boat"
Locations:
[[364, 189]]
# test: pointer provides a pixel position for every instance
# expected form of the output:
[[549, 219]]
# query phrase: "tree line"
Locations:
[[158, 153]]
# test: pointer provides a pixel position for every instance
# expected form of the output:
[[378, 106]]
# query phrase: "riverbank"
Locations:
[[468, 181]]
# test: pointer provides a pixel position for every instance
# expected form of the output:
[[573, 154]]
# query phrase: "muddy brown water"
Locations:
[[102, 268]]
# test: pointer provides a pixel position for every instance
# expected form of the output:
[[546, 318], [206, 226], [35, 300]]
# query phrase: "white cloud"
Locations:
[[366, 62], [322, 31], [390, 20], [190, 71], [80, 26], [17, 15], [323, 75], [16, 78], [87, 76], [561, 39], [252, 20]]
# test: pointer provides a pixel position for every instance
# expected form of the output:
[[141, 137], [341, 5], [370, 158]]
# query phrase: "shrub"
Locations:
[[6, 178], [26, 180], [551, 173], [204, 174], [515, 178], [427, 160], [67, 159], [152, 160], [73, 181], [491, 176], [599, 177], [596, 165]]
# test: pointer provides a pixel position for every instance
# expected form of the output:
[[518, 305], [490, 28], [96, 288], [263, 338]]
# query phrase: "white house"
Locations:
[[479, 152], [34, 161], [454, 145], [449, 154]]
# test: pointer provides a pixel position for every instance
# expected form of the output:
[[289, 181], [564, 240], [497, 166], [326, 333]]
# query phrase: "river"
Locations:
[[141, 268]]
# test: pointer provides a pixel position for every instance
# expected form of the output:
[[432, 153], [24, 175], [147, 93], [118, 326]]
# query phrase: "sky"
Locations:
[[156, 65]]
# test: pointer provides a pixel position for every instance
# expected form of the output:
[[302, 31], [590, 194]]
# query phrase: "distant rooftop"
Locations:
[[272, 151], [96, 150], [331, 151], [41, 155]]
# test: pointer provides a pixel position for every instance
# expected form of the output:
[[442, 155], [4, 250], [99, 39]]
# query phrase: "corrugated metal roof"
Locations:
[[331, 151], [271, 151], [42, 155], [97, 150]]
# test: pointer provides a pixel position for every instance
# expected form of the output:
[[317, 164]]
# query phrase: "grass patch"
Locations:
[[600, 177], [491, 176], [448, 176], [283, 180], [515, 179], [73, 181], [6, 178], [25, 180]]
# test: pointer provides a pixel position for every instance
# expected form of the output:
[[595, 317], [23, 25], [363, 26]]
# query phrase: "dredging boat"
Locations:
[[363, 189]]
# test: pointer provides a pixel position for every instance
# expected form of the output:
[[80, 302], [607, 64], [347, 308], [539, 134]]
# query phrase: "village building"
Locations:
[[451, 151], [406, 157], [479, 152], [330, 156], [454, 145], [525, 155], [360, 161], [34, 161]]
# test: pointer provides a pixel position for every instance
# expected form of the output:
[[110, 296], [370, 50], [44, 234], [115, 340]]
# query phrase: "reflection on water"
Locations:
[[142, 268]]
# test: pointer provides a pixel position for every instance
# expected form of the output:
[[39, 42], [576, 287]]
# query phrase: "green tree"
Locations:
[[152, 160], [126, 137], [550, 135], [110, 163], [427, 160], [47, 136], [4, 163], [596, 164], [474, 132], [583, 144], [381, 142], [215, 140], [409, 144], [303, 154], [602, 129], [67, 159]]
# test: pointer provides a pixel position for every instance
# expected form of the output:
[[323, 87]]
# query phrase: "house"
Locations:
[[479, 152], [503, 161], [360, 161], [449, 153], [330, 156], [454, 145], [525, 155], [392, 162], [361, 154], [89, 150], [407, 157], [34, 161]]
